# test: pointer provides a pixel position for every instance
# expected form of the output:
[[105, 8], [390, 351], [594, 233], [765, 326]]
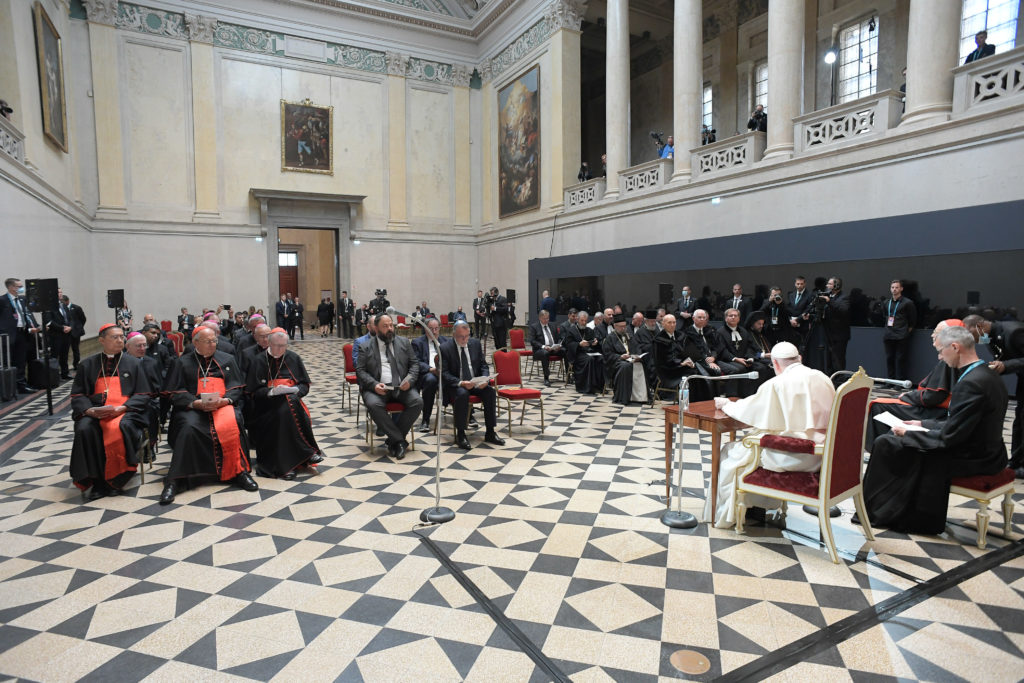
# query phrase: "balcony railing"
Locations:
[[737, 152], [12, 141], [849, 123], [990, 83], [584, 194], [644, 177]]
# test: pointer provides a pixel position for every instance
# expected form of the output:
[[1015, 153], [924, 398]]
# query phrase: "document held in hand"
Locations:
[[892, 421], [282, 390], [483, 380], [634, 358]]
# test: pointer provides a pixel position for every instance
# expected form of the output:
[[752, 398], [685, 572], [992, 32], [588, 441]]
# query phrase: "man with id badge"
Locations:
[[900, 318]]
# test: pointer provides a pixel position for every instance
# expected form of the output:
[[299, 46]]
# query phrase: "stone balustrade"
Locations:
[[849, 123], [644, 177], [12, 141], [737, 152], [991, 83], [585, 194]]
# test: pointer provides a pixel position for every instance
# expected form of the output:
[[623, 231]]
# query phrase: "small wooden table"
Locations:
[[704, 416]]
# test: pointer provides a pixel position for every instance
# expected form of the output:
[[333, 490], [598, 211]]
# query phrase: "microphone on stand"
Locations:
[[901, 383]]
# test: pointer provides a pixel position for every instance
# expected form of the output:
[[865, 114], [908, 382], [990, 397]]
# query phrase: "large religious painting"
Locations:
[[51, 79], [307, 131], [519, 144]]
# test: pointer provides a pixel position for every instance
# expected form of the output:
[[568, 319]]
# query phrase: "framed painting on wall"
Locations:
[[519, 144], [51, 79], [307, 133]]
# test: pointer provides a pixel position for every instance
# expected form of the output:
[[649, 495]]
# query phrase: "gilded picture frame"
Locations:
[[307, 137], [519, 144], [50, 56]]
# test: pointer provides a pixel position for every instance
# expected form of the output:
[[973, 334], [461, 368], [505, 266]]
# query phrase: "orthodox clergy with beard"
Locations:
[[206, 432], [906, 485], [109, 397], [579, 344], [626, 371], [796, 402], [280, 427], [928, 401]]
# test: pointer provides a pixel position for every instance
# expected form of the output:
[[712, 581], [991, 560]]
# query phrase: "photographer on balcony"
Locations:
[[758, 120]]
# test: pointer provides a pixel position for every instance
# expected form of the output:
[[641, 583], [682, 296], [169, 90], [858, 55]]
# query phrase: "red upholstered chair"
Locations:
[[178, 339], [985, 489], [444, 321], [165, 325], [510, 386], [351, 382], [371, 428], [841, 458]]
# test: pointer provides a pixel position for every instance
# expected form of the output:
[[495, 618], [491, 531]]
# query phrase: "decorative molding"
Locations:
[[461, 75], [737, 152], [357, 58], [584, 194], [398, 64], [101, 11], [850, 123], [249, 39], [485, 72], [200, 28], [152, 21], [422, 5], [650, 175], [12, 141], [990, 83], [518, 48], [566, 14], [401, 17]]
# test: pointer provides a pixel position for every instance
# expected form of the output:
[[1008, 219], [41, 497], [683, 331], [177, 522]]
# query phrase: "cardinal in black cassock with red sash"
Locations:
[[280, 427], [206, 433], [109, 396]]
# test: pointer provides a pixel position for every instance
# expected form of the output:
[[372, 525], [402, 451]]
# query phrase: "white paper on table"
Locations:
[[892, 421]]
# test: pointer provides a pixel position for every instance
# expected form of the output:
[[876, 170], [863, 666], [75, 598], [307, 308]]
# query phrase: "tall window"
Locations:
[[287, 258], [705, 107], [858, 60], [998, 17], [761, 84]]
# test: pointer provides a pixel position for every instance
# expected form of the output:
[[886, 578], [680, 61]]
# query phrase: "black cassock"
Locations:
[[280, 428], [928, 402], [618, 370], [204, 443], [89, 461], [906, 486], [588, 370]]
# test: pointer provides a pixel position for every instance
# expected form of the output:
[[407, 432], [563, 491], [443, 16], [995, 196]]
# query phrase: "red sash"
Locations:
[[286, 382], [113, 440], [224, 431], [891, 401]]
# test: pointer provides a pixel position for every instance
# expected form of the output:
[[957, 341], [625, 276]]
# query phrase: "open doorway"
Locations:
[[308, 268]]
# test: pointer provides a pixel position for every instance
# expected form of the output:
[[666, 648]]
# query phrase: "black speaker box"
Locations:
[[115, 298], [973, 298], [42, 295], [665, 292], [510, 294]]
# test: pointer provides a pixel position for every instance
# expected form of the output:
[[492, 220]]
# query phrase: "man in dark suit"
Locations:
[[906, 485], [58, 328], [426, 351], [835, 317], [739, 302], [479, 314], [685, 306], [1007, 342], [346, 311], [186, 323], [283, 312], [387, 370], [547, 303], [775, 316], [424, 311], [462, 360], [983, 49], [361, 318], [499, 318], [297, 318], [19, 323], [545, 341], [77, 328], [330, 314], [798, 304], [713, 356]]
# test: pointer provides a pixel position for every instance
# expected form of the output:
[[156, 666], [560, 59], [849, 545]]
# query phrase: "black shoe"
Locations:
[[547, 382], [98, 490], [1018, 473], [25, 389], [492, 437], [399, 450], [424, 428], [755, 514], [832, 511], [462, 442], [245, 482], [167, 497], [289, 476], [379, 432], [315, 459], [855, 519]]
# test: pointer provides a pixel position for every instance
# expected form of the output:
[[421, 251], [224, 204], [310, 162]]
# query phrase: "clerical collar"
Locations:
[[112, 356]]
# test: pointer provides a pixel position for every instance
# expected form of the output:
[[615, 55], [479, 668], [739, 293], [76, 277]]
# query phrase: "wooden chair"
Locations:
[[351, 381], [510, 387], [841, 458], [985, 489]]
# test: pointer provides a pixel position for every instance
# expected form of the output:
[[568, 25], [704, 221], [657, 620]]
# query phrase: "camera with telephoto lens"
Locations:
[[657, 138], [380, 292], [777, 299]]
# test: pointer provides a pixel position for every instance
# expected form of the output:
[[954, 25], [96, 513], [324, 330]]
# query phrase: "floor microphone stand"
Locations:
[[677, 519]]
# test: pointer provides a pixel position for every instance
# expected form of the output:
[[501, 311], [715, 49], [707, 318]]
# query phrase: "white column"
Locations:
[[933, 42], [687, 77], [785, 71], [616, 132]]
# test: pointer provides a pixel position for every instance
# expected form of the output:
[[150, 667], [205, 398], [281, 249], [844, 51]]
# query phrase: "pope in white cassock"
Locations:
[[796, 402]]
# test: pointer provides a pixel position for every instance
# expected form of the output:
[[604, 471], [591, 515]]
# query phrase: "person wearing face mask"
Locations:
[[206, 434], [280, 428], [20, 325], [906, 485], [109, 399], [1006, 340]]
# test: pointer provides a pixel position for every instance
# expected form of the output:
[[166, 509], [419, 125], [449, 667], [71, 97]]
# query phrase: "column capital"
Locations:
[[398, 64], [461, 74], [101, 11], [200, 28], [485, 72], [565, 14]]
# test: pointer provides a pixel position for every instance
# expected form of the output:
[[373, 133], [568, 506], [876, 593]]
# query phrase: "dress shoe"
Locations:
[[25, 389], [855, 519], [832, 511], [379, 432], [167, 497], [316, 459], [424, 428], [399, 451], [492, 437], [245, 482], [755, 514], [98, 490], [289, 476], [1018, 473], [547, 382], [462, 442]]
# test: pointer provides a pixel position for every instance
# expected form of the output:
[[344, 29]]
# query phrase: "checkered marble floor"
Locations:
[[325, 578]]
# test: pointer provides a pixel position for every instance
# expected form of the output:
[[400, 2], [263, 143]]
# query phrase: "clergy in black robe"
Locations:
[[579, 343], [906, 486], [206, 433], [1007, 344], [677, 356], [626, 373], [280, 428], [261, 342], [163, 358], [109, 396], [736, 346], [136, 348]]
